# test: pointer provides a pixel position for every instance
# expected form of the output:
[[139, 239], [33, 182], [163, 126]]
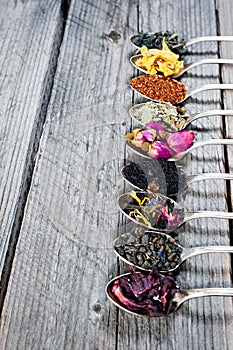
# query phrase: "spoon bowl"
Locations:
[[163, 88], [186, 67], [178, 156], [160, 213], [157, 250], [175, 302], [171, 117], [142, 175], [184, 44], [151, 176]]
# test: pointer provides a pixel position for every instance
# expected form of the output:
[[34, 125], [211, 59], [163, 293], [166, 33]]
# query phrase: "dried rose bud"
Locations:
[[158, 127], [158, 149], [180, 141], [146, 146], [139, 137], [132, 135]]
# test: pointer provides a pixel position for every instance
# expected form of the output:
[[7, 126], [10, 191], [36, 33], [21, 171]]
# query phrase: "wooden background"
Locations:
[[64, 101]]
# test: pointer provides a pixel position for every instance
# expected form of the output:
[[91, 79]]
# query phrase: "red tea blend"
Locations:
[[159, 88]]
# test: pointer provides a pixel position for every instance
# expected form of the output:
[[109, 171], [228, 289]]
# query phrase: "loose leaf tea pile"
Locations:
[[173, 117], [156, 175], [151, 250], [155, 41], [164, 61], [157, 143], [152, 210], [159, 88], [147, 294]]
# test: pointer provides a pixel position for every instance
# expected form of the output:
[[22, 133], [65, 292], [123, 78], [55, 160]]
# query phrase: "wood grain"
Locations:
[[225, 48], [27, 63], [64, 258]]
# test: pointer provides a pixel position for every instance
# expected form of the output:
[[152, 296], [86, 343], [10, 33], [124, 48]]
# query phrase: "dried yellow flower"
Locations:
[[164, 61]]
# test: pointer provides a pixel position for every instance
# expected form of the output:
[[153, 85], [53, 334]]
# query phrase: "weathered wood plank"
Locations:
[[226, 49], [64, 258], [29, 35], [66, 244]]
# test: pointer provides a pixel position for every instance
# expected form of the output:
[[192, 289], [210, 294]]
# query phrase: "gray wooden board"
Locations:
[[29, 34], [64, 258], [226, 49]]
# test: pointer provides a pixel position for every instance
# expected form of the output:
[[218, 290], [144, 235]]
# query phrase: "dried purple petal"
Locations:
[[146, 293]]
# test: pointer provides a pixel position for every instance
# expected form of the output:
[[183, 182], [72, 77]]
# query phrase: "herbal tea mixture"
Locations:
[[173, 118], [147, 294], [159, 88], [157, 143], [155, 175], [152, 210], [162, 61]]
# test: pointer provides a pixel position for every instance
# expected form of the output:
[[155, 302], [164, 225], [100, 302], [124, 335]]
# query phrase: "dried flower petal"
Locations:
[[173, 219], [154, 60], [150, 135], [148, 294]]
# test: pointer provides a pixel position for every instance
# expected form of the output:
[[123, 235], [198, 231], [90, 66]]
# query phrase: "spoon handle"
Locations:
[[184, 295], [208, 38], [209, 113], [193, 91], [215, 176], [189, 252], [205, 61], [209, 142], [206, 214], [181, 155]]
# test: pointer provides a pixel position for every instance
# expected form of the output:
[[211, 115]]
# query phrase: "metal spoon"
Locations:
[[157, 257], [148, 118], [178, 156], [179, 298], [190, 41], [159, 180], [143, 214], [186, 67], [189, 92]]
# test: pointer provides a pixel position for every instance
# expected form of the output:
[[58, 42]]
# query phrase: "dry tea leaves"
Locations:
[[155, 41], [151, 250], [173, 118], [159, 88]]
